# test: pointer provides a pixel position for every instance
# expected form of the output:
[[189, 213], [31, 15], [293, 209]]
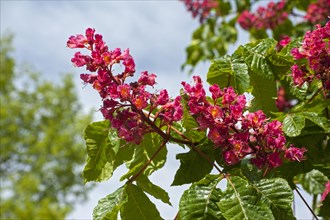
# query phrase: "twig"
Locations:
[[148, 162], [310, 209]]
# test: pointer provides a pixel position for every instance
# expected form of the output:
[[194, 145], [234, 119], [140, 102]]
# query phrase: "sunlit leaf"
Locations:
[[313, 181], [200, 200], [108, 207], [138, 205], [146, 185], [240, 201]]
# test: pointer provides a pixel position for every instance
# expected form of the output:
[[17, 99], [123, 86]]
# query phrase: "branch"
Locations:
[[130, 180], [310, 209]]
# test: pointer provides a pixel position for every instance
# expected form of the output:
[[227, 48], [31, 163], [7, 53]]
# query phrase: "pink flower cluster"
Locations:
[[265, 17], [238, 134], [318, 12], [316, 49], [123, 103], [326, 191], [200, 8], [282, 103]]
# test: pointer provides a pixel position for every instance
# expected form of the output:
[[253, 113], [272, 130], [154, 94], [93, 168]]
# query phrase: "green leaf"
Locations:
[[143, 152], [99, 150], [240, 201], [146, 185], [250, 171], [138, 205], [324, 209], [264, 92], [313, 181], [194, 167], [200, 200], [293, 124], [277, 194], [318, 120], [108, 207], [255, 57], [230, 71]]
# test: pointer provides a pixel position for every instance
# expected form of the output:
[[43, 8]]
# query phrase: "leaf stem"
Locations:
[[130, 180], [315, 94], [303, 199]]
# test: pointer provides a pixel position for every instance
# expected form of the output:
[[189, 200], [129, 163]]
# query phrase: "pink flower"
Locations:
[[79, 59], [163, 97], [215, 91], [78, 41], [246, 20], [326, 191], [88, 78], [299, 77], [230, 157], [274, 160], [285, 40], [318, 11], [200, 8], [147, 79], [295, 154]]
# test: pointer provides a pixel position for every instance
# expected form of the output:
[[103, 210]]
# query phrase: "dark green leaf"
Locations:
[[240, 201], [324, 209], [277, 194], [264, 92], [108, 207], [255, 57], [138, 205], [99, 151], [230, 71], [193, 166], [313, 181], [318, 120], [146, 185], [293, 124], [199, 201], [143, 152]]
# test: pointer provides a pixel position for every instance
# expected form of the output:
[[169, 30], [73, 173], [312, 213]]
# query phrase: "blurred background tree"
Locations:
[[41, 144]]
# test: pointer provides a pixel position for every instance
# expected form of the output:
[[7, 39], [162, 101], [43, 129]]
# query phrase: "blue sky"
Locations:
[[156, 32]]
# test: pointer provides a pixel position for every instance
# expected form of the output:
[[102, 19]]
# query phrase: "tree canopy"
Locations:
[[41, 143]]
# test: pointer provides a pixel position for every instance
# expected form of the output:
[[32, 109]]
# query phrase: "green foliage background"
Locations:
[[41, 143]]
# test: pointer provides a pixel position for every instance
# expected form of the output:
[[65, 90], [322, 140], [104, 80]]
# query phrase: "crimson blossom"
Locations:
[[315, 49], [270, 16], [239, 134], [123, 102], [133, 111], [200, 8]]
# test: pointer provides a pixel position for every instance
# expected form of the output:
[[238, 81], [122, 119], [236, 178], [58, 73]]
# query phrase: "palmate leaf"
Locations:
[[264, 92], [138, 205], [194, 167], [293, 124], [99, 151], [199, 201], [277, 194], [108, 207], [318, 120], [143, 152], [146, 185], [230, 71], [255, 56], [313, 181], [240, 201]]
